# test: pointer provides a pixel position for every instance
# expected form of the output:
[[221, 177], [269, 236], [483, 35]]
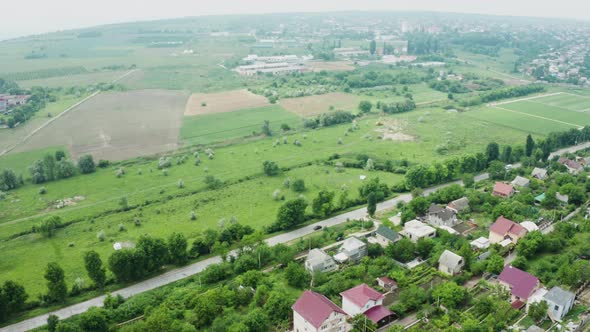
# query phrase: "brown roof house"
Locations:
[[314, 312], [573, 167], [506, 230], [502, 189]]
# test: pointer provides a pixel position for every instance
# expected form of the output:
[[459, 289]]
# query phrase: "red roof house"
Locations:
[[387, 283], [363, 299], [506, 229], [315, 312], [502, 189], [520, 283], [572, 166]]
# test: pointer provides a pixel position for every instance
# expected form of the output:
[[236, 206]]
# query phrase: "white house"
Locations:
[[560, 302], [520, 181], [416, 230], [480, 243], [539, 173], [439, 216], [318, 261], [359, 299], [459, 205], [353, 248], [385, 235], [314, 312], [450, 263]]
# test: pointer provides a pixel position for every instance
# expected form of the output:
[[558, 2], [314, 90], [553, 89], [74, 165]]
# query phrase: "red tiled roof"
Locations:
[[504, 226], [570, 163], [387, 281], [377, 313], [503, 188], [315, 308], [361, 294], [522, 283], [517, 304]]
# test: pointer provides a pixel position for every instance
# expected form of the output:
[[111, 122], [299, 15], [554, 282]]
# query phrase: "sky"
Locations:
[[25, 17]]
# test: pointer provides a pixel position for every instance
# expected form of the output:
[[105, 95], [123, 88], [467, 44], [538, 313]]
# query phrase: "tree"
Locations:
[[94, 320], [424, 247], [507, 154], [412, 297], [495, 264], [65, 169], [296, 275], [468, 180], [360, 323], [56, 284], [322, 204], [177, 246], [371, 204], [497, 170], [12, 298], [402, 251], [450, 294], [154, 250], [50, 167], [121, 264], [94, 268], [492, 152], [530, 146], [257, 320], [365, 106], [291, 214], [59, 155], [270, 168], [278, 307], [8, 180], [86, 164], [298, 186], [266, 128], [48, 226], [538, 311], [373, 47], [52, 322], [38, 173]]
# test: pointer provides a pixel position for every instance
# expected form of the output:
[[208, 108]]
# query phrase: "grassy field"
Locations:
[[206, 129], [539, 115], [74, 80], [221, 102], [314, 105]]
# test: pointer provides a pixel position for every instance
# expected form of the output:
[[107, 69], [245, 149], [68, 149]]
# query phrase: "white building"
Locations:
[[416, 230], [450, 263], [318, 261], [354, 249], [359, 299], [560, 302], [314, 312]]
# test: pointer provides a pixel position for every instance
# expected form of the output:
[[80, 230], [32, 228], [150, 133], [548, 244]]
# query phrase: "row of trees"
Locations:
[[502, 93]]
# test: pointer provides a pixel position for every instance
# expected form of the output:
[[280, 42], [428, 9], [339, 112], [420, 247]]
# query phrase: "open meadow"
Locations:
[[314, 105], [221, 102], [117, 125]]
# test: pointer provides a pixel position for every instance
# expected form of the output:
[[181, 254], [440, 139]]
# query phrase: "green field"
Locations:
[[206, 129]]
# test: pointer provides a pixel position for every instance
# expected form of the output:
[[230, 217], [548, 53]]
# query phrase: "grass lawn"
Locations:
[[19, 162], [205, 129]]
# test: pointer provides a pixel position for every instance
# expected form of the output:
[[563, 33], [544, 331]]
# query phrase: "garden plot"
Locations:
[[222, 102], [314, 105]]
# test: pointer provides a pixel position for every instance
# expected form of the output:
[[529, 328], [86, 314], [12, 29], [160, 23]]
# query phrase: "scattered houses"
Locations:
[[559, 301], [539, 173], [520, 181], [573, 167], [352, 249], [521, 284], [319, 261], [385, 235], [502, 189], [416, 230], [439, 216], [387, 283], [314, 312], [459, 205], [450, 263], [363, 299], [506, 231]]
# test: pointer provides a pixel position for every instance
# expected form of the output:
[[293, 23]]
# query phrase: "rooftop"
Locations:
[[559, 296], [450, 259], [503, 188], [387, 233], [377, 313], [352, 243], [504, 226], [361, 294], [315, 308], [522, 282]]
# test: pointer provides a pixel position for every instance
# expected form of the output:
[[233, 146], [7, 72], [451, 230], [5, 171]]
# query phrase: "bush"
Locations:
[[212, 182], [100, 236], [42, 191], [270, 168], [103, 163], [86, 164], [122, 228], [164, 162], [193, 215], [120, 172], [298, 186], [180, 184]]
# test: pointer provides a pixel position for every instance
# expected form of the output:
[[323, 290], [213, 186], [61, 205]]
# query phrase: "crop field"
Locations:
[[541, 115], [330, 65], [314, 105], [116, 126], [74, 80], [221, 102], [205, 129]]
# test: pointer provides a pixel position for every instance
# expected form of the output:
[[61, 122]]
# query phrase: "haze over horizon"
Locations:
[[31, 16]]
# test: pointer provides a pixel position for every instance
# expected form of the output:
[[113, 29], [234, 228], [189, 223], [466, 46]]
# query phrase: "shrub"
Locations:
[[297, 142], [86, 164], [103, 163], [100, 236], [276, 195], [287, 183], [164, 162], [212, 182], [137, 222], [270, 168], [180, 184], [42, 191], [203, 104], [165, 172], [120, 172], [339, 140], [193, 215], [298, 186], [122, 228]]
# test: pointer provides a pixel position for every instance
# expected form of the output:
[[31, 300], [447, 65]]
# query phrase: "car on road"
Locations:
[[317, 228]]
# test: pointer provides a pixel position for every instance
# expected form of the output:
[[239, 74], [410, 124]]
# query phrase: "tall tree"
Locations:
[[177, 246], [492, 151], [291, 213], [94, 268], [86, 164], [371, 204], [530, 146], [56, 284], [507, 154], [322, 204], [360, 323], [373, 47], [50, 167]]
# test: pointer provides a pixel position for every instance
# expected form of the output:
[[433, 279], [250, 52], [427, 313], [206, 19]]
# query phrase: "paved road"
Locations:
[[571, 149]]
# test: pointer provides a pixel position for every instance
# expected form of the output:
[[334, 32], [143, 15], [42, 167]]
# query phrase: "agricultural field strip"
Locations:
[[154, 188], [539, 117], [24, 139], [556, 106], [526, 98]]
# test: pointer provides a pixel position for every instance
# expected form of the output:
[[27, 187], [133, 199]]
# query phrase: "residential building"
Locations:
[[480, 243], [349, 52], [272, 68], [520, 284], [529, 226], [459, 205], [314, 312], [385, 235], [520, 181], [319, 261], [450, 263], [352, 249], [562, 198], [363, 299], [416, 230], [3, 104], [439, 216], [387, 283], [560, 302], [503, 190], [539, 173], [573, 167], [506, 229]]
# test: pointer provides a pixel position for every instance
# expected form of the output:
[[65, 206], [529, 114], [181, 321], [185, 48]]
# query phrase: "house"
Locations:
[[520, 181], [439, 216], [503, 190], [314, 312], [385, 235], [562, 198], [540, 198], [3, 104], [459, 205], [363, 299], [539, 173], [387, 283], [560, 302], [506, 229], [416, 230], [318, 261], [520, 284], [480, 243], [352, 249], [450, 263], [573, 167], [529, 226]]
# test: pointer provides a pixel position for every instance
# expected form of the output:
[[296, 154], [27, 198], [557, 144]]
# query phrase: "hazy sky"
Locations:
[[23, 17]]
